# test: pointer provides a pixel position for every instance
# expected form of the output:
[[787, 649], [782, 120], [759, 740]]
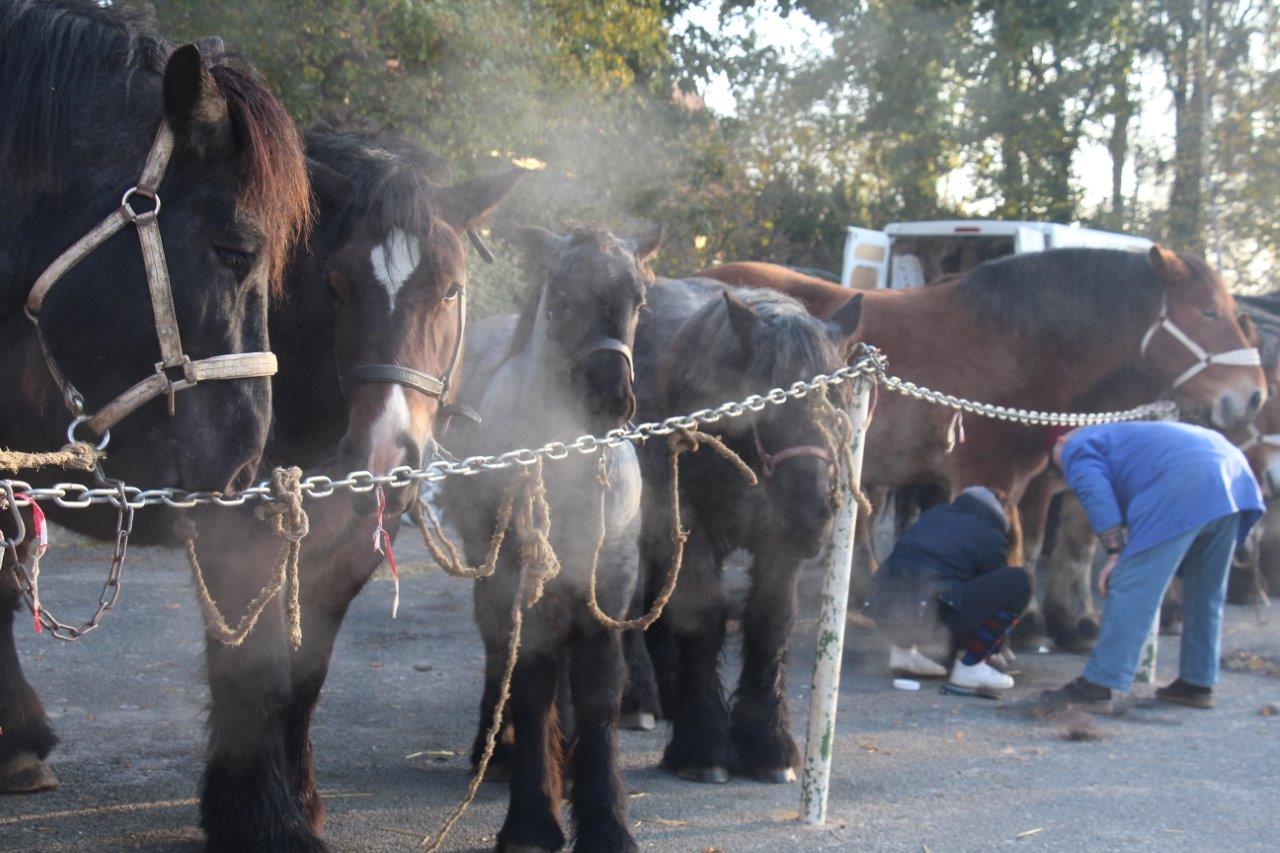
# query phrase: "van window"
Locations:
[[919, 260]]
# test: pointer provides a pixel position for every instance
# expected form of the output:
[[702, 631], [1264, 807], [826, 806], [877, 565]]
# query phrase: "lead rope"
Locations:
[[291, 524], [383, 544], [836, 430], [538, 565], [679, 442], [76, 456]]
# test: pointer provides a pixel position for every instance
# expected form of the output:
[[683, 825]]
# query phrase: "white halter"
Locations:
[[1257, 437], [1247, 357]]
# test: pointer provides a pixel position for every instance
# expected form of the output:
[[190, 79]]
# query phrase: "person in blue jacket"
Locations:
[[1160, 495], [949, 569]]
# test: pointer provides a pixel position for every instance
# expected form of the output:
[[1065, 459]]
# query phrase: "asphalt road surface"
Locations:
[[914, 771]]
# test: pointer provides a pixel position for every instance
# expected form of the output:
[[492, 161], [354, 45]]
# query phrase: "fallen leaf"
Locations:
[[665, 821], [1270, 709], [1029, 833]]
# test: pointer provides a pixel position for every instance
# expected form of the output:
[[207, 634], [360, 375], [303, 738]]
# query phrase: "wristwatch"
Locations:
[[1113, 539]]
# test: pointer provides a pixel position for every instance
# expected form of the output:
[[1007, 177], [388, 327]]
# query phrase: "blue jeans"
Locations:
[[1137, 587]]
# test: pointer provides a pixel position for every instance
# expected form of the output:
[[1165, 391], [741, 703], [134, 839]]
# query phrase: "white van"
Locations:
[[911, 254]]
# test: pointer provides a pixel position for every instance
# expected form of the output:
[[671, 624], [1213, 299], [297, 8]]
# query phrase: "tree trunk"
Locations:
[[1186, 76]]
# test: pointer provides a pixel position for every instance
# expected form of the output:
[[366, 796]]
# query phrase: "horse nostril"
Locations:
[[1255, 402]]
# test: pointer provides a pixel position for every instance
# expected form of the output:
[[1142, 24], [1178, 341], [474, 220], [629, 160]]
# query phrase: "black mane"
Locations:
[[1067, 297], [69, 48], [393, 178]]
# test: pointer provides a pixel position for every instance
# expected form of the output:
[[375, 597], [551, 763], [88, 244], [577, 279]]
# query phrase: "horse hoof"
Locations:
[[704, 775], [774, 776], [638, 721], [26, 774]]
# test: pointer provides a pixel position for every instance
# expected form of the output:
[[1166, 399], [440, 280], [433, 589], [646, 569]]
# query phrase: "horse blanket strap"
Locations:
[[172, 358], [393, 375], [1256, 437], [769, 462], [1246, 357], [607, 345]]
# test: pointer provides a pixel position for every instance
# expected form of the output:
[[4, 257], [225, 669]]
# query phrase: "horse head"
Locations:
[[773, 343], [1201, 346], [394, 272], [579, 320]]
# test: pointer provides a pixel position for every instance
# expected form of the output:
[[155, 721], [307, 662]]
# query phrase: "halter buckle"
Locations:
[[187, 380], [136, 217]]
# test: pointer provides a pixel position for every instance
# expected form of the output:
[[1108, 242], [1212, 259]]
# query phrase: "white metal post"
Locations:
[[825, 692]]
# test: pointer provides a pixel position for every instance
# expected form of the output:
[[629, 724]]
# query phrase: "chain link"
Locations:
[[870, 364]]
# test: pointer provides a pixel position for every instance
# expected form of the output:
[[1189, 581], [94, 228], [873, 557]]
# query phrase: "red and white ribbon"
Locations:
[[382, 544]]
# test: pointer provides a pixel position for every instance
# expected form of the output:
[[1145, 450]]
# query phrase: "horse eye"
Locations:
[[236, 260], [1209, 313], [452, 293]]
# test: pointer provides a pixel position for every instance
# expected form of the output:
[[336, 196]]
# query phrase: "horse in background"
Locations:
[[369, 337], [701, 343], [1035, 331], [88, 92], [562, 369]]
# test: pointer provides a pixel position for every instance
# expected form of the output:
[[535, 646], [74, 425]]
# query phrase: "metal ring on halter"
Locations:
[[71, 432], [133, 215]]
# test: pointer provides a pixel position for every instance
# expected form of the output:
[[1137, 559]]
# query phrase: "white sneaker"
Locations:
[[909, 661], [980, 675]]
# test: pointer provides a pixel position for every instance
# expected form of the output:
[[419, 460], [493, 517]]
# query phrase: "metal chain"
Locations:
[[110, 589], [870, 363]]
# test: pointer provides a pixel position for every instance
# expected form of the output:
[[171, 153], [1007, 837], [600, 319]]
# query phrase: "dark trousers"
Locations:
[[990, 608]]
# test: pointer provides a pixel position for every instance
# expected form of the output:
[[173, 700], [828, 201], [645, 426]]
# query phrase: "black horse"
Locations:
[[85, 92], [700, 344], [374, 311], [566, 372]]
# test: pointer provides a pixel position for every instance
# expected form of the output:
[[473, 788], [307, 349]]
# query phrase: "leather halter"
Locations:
[[605, 345], [1245, 357], [175, 371], [769, 462], [1256, 437]]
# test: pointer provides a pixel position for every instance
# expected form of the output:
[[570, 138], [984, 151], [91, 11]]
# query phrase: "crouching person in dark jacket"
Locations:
[[949, 569]]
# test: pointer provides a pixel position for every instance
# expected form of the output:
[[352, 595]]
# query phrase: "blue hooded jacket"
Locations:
[[1160, 478]]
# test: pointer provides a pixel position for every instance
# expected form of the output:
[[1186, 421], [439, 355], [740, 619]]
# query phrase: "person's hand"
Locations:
[[1105, 575]]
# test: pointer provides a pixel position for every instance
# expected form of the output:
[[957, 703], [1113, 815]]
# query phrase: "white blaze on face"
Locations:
[[395, 260], [385, 451]]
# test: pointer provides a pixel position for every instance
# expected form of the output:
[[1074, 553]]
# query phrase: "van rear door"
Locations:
[[866, 259]]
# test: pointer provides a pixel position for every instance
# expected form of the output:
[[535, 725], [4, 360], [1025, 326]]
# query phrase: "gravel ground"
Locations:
[[914, 771]]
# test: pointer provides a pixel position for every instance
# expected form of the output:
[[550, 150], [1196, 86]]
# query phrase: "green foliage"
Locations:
[[920, 109]]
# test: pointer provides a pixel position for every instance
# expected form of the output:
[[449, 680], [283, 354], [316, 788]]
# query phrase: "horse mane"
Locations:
[[394, 182], [72, 48], [789, 345], [600, 239], [1067, 298]]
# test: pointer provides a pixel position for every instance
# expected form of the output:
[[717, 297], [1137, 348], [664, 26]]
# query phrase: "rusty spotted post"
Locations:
[[825, 690], [1146, 673]]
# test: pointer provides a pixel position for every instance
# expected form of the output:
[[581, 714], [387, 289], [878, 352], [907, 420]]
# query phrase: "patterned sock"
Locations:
[[987, 637]]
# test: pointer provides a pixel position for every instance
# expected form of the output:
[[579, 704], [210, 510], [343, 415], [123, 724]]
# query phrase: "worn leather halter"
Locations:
[[176, 371], [769, 462], [1246, 357]]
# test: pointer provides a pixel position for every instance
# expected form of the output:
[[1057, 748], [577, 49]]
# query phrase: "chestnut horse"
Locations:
[[1037, 331]]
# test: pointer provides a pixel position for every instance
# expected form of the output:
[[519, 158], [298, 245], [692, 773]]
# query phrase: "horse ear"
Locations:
[[1249, 330], [537, 244], [845, 320], [331, 188], [193, 105], [1168, 265], [648, 243], [742, 318], [462, 205]]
